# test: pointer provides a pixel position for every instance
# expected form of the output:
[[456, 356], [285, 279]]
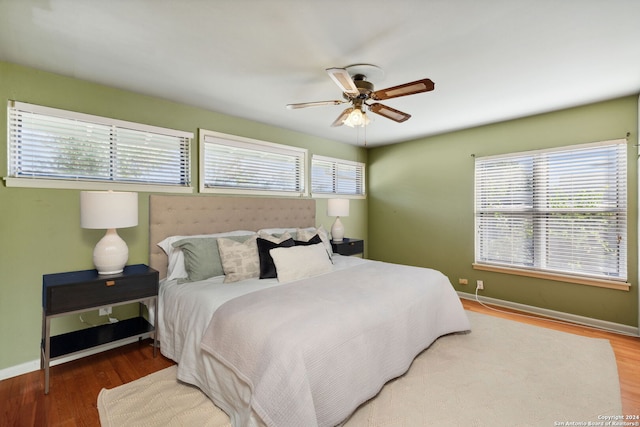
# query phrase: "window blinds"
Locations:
[[234, 164], [337, 176], [49, 143], [562, 210]]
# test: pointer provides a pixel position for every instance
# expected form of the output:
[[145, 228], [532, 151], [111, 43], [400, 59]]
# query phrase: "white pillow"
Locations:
[[304, 234], [175, 267], [298, 262]]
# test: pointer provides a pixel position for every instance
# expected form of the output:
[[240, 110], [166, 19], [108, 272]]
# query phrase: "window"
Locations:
[[561, 211], [55, 148], [232, 164], [335, 176]]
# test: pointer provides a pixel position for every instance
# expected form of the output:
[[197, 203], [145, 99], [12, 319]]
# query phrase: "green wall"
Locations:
[[419, 209], [40, 230], [421, 196]]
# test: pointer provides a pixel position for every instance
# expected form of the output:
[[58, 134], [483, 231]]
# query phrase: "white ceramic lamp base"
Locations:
[[337, 230], [110, 254]]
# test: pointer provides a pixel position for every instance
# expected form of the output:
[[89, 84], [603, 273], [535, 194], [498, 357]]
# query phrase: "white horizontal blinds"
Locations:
[[336, 176], [322, 176], [504, 203], [238, 164], [560, 210], [585, 196], [53, 147], [56, 144], [146, 156]]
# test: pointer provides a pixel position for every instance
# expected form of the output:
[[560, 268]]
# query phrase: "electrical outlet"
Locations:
[[104, 311], [479, 285], [463, 282]]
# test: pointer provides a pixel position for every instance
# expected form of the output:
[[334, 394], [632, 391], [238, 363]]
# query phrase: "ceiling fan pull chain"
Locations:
[[365, 137]]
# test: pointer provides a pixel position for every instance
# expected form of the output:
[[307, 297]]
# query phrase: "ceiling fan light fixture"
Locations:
[[356, 118]]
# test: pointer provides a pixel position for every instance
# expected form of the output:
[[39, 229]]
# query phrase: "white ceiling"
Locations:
[[491, 60]]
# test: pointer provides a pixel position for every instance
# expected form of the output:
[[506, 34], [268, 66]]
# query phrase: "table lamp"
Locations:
[[337, 208], [109, 210]]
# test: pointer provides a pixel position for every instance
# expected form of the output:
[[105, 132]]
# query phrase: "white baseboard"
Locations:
[[558, 315], [34, 365]]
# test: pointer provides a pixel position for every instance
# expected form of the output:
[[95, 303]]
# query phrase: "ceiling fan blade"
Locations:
[[313, 104], [339, 121], [389, 113], [343, 80], [419, 86]]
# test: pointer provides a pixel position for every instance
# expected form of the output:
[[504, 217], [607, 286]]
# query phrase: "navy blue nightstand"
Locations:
[[80, 291], [348, 247]]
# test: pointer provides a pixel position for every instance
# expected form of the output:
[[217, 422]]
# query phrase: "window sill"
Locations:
[[601, 283], [62, 184], [336, 195], [246, 192]]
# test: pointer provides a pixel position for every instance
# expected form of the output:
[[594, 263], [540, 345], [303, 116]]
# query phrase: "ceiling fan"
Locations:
[[360, 93]]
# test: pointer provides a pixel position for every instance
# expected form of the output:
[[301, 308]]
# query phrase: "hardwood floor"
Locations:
[[75, 386]]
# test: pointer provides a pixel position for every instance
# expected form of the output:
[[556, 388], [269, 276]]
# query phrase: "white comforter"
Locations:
[[310, 352], [185, 310]]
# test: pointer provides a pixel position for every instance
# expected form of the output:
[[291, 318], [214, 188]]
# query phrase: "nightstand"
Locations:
[[80, 291], [348, 247]]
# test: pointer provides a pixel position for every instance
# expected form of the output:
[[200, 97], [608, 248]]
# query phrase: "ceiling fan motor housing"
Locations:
[[365, 87]]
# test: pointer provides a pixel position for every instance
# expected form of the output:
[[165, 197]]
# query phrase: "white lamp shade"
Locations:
[[108, 209], [338, 207]]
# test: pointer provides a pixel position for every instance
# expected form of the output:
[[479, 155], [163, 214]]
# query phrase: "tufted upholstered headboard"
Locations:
[[189, 215]]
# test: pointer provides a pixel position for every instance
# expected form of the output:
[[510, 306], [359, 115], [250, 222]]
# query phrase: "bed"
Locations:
[[303, 348]]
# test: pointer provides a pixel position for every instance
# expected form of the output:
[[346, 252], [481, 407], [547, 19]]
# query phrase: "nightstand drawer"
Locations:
[[67, 292], [348, 247]]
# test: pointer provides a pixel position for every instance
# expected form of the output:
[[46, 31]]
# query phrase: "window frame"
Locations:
[[15, 179], [619, 212], [243, 143], [336, 163]]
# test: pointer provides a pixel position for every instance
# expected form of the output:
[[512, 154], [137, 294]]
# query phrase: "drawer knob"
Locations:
[[110, 282]]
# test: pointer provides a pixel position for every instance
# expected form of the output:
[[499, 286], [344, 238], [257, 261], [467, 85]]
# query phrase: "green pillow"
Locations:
[[201, 258]]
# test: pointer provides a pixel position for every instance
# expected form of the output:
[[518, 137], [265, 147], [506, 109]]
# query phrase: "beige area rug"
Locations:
[[503, 373]]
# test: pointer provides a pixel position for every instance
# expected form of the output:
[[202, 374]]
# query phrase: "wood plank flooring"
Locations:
[[75, 385]]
